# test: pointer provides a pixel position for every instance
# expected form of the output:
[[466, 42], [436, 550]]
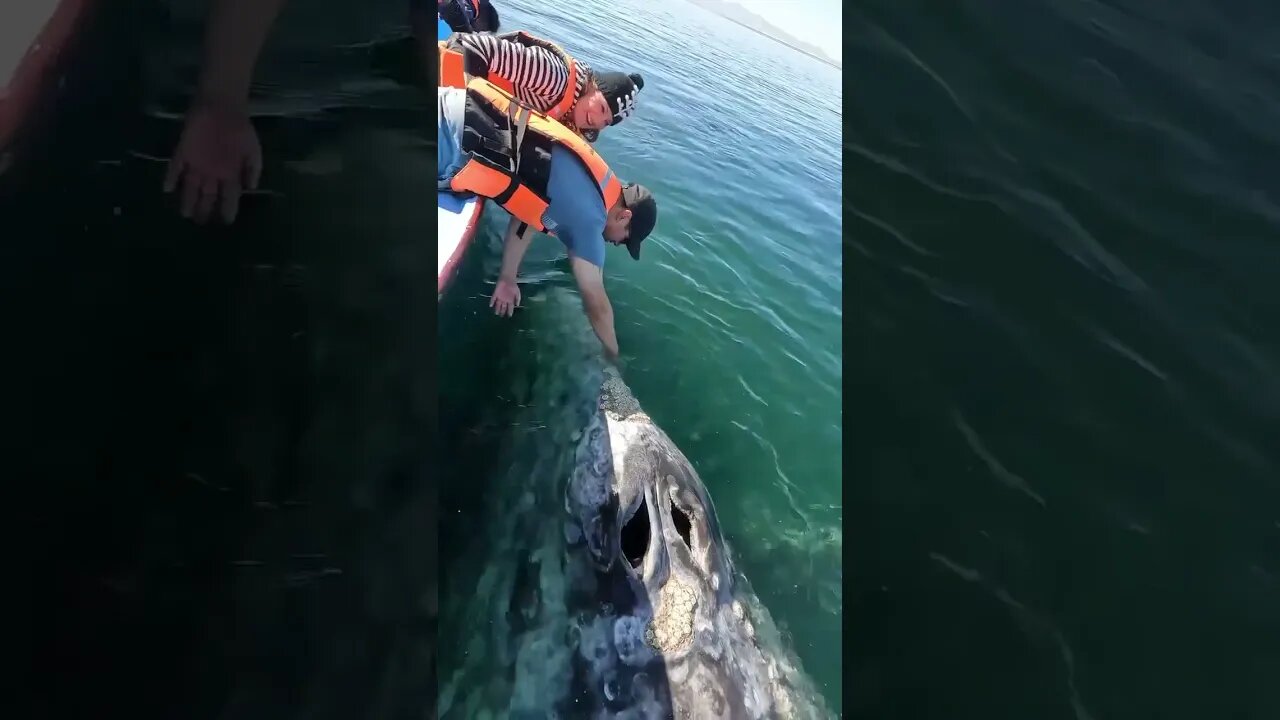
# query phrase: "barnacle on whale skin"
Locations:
[[672, 626]]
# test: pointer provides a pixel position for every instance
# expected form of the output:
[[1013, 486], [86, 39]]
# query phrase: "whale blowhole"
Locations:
[[635, 536]]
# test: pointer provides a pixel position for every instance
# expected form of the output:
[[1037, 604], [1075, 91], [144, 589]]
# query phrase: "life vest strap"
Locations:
[[481, 177], [519, 117], [525, 203]]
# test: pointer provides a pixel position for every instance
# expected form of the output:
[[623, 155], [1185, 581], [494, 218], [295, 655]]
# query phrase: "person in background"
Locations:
[[552, 180], [468, 16]]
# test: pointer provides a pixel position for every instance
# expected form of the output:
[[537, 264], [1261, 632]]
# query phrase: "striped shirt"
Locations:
[[536, 74]]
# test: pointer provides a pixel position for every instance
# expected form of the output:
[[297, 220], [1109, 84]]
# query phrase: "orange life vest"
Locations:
[[508, 148], [457, 62]]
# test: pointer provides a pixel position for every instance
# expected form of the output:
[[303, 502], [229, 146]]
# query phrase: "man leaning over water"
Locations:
[[559, 185]]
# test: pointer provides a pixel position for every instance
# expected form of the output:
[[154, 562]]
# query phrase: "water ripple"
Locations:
[[994, 465]]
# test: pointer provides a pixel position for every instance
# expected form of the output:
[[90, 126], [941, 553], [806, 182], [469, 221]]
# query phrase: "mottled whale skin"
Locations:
[[666, 628]]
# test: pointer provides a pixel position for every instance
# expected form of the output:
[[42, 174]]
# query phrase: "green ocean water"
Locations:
[[729, 329], [1062, 347]]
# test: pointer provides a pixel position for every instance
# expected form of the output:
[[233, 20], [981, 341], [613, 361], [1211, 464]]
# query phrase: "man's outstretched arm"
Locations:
[[595, 301], [235, 33], [218, 153], [515, 245], [506, 296]]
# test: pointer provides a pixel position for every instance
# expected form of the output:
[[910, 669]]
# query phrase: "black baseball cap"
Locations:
[[644, 215]]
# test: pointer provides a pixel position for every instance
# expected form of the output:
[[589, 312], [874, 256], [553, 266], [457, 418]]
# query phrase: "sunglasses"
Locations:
[[623, 199]]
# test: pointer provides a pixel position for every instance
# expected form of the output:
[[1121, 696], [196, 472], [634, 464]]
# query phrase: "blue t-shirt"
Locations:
[[575, 213]]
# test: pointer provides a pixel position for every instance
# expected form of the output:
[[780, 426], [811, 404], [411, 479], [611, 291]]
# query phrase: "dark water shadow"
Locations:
[[224, 431]]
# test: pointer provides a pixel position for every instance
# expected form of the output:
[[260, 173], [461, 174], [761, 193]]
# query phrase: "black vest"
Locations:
[[504, 141]]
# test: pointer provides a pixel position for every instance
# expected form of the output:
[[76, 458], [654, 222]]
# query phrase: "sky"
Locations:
[[815, 21]]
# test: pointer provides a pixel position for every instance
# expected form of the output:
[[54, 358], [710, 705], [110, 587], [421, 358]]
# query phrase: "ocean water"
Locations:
[[1063, 346], [730, 331]]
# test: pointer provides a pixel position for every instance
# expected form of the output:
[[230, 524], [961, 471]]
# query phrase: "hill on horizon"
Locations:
[[738, 14]]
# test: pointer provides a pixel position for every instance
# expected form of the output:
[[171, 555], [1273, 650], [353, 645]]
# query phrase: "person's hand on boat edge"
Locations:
[[506, 297], [217, 157]]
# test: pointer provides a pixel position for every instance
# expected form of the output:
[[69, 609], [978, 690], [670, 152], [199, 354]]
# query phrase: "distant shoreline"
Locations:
[[820, 58], [741, 16]]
